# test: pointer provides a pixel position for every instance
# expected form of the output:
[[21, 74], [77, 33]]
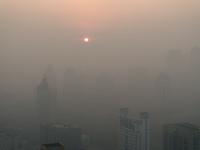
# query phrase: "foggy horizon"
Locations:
[[144, 55]]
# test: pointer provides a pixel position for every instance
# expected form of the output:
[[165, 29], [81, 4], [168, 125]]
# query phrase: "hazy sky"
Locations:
[[123, 33]]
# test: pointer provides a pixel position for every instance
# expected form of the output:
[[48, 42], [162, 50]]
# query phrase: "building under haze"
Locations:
[[181, 136], [51, 78], [162, 88], [44, 102], [68, 135], [133, 134]]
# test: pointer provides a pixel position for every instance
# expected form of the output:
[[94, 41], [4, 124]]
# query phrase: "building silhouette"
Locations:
[[133, 134], [181, 136], [44, 102], [162, 88], [51, 78], [68, 135]]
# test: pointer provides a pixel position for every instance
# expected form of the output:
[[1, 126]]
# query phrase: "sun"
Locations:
[[86, 39]]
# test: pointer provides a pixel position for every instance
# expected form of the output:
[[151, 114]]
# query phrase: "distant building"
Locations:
[[65, 134], [162, 88], [181, 136], [133, 134], [7, 142], [44, 102], [52, 146], [51, 78]]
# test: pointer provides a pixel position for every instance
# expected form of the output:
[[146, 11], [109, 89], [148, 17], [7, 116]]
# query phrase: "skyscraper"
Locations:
[[51, 78], [44, 102], [181, 136], [133, 134]]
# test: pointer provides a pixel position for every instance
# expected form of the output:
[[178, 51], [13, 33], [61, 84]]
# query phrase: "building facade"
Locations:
[[162, 91], [133, 134], [181, 136]]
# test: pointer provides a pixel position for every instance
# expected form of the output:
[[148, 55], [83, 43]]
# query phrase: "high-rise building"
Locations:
[[133, 134], [65, 134], [162, 87], [52, 146], [51, 78], [181, 136], [44, 102]]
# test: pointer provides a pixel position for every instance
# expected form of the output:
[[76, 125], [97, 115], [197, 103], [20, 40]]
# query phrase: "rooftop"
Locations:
[[187, 126]]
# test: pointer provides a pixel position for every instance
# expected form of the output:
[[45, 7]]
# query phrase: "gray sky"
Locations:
[[123, 33]]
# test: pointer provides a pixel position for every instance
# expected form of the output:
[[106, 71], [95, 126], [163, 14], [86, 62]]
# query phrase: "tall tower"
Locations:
[[51, 78], [133, 134], [162, 84], [44, 102]]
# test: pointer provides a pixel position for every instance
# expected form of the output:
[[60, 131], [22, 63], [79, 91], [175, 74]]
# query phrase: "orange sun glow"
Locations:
[[86, 40]]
